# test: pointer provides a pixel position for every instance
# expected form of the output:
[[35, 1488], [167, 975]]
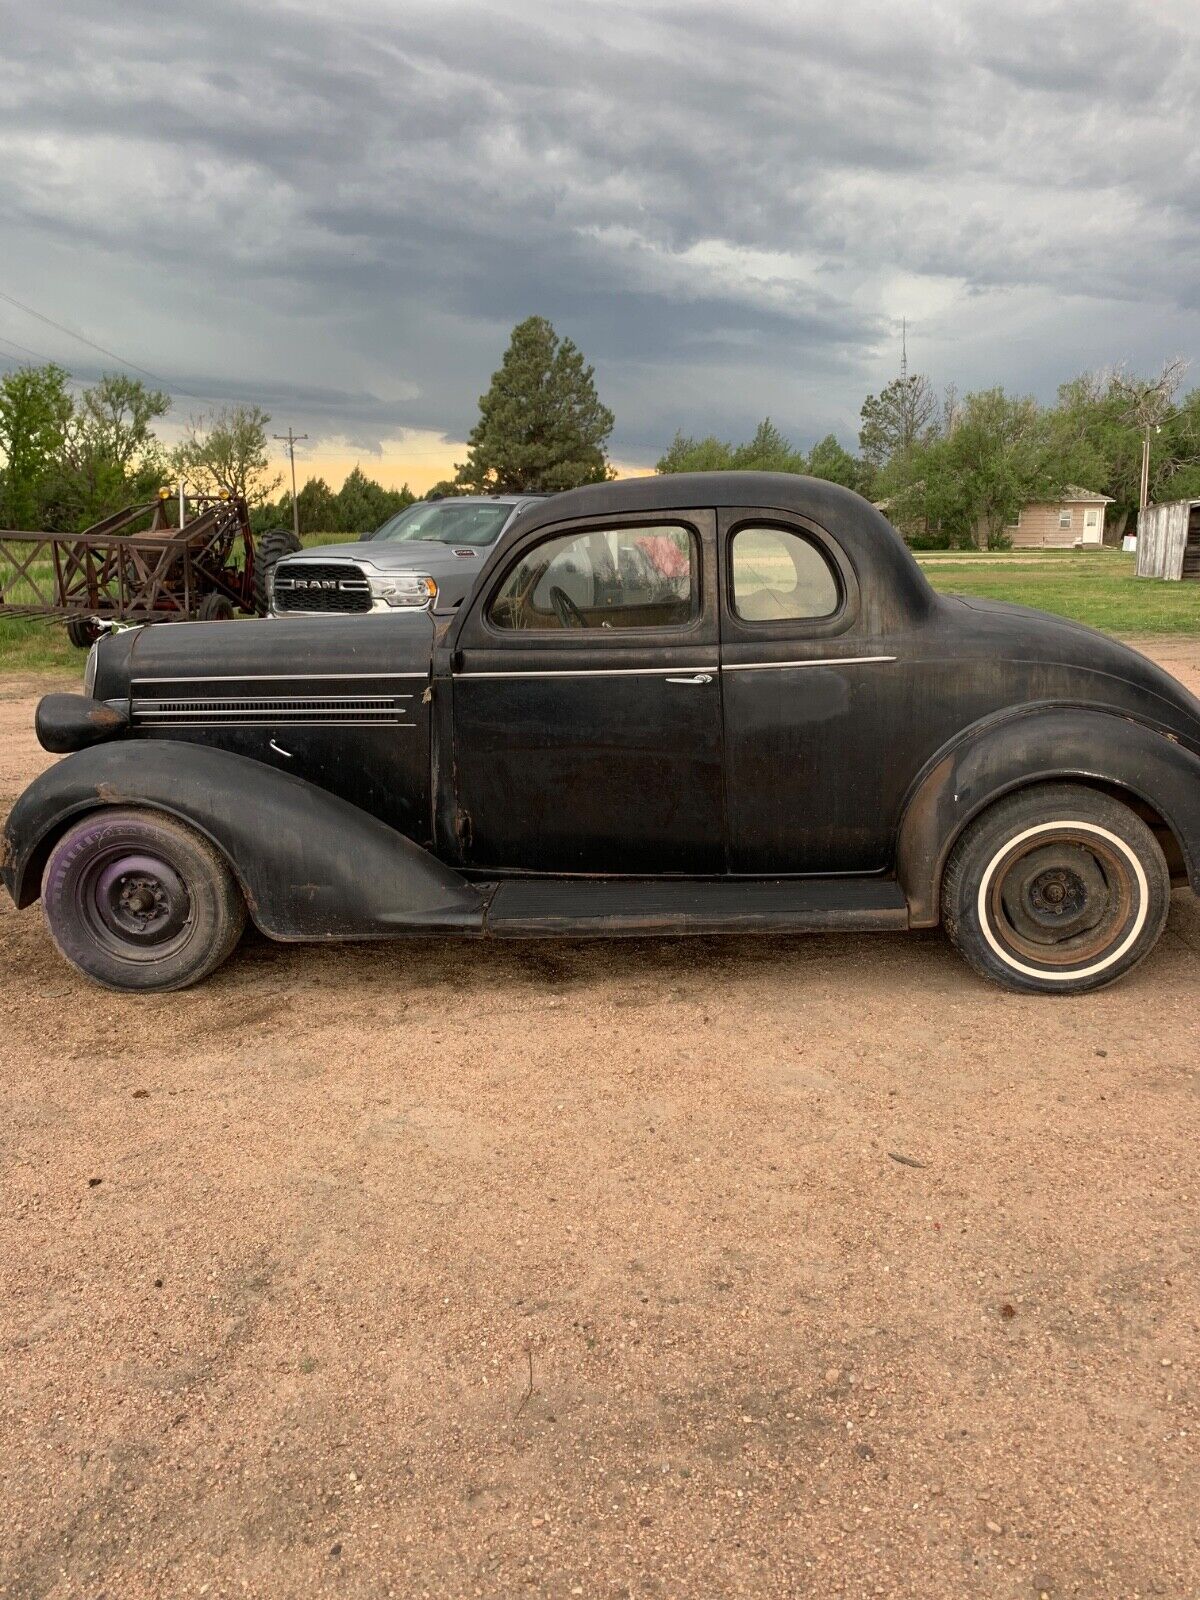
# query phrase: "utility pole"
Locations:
[[292, 440]]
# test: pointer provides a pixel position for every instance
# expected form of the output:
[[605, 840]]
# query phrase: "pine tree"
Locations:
[[541, 424]]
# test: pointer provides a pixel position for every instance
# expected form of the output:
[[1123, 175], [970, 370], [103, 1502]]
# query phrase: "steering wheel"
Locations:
[[568, 612]]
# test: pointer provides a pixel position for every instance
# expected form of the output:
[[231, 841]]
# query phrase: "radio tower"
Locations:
[[903, 349]]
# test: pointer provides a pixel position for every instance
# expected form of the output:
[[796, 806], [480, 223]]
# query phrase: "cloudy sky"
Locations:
[[338, 208]]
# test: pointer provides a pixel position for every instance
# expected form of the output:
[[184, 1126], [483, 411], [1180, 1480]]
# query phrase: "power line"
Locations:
[[24, 349], [83, 339], [133, 366]]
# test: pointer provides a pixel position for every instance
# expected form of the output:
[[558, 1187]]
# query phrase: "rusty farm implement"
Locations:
[[139, 565]]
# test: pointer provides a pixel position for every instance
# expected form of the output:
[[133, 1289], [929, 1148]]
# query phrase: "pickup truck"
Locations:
[[429, 554], [704, 703]]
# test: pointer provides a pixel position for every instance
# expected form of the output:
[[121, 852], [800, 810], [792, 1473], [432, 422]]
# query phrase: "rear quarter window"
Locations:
[[777, 575]]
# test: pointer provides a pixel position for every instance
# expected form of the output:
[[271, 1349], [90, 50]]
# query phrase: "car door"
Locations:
[[587, 703], [809, 703]]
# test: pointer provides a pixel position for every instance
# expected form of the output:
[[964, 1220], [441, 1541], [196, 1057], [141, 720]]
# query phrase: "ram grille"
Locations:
[[327, 587]]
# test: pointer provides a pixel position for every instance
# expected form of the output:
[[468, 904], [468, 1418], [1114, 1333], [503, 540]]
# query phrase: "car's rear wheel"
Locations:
[[135, 900], [269, 550], [1056, 890]]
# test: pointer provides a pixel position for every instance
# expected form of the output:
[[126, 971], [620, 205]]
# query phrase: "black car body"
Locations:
[[429, 554], [672, 704]]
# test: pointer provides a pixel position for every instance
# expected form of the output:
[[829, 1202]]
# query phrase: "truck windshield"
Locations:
[[447, 522]]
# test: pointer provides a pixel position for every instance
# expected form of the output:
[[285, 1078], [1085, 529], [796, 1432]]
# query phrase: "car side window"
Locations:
[[780, 576], [639, 577]]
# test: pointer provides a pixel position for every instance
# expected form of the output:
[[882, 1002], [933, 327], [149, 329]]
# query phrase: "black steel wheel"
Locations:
[[135, 900], [215, 608], [269, 549], [83, 631], [1057, 890]]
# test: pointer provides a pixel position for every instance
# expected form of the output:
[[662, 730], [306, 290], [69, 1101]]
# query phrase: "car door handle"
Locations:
[[700, 677]]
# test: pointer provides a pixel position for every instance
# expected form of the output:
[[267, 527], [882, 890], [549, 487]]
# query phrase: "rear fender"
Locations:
[[311, 865], [1041, 745]]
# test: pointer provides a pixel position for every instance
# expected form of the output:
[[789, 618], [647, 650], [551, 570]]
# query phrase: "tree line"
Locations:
[[955, 471], [949, 469], [67, 460]]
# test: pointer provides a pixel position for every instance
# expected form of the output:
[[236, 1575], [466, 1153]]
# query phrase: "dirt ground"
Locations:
[[760, 1267]]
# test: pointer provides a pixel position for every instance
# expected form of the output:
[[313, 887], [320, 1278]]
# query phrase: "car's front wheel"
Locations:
[[1056, 890], [136, 900]]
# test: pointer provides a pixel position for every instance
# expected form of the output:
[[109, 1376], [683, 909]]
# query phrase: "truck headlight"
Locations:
[[89, 671], [404, 589]]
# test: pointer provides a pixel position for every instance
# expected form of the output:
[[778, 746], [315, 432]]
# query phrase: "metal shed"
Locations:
[[1168, 540]]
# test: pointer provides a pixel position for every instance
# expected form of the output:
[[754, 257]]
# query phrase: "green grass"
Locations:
[[331, 538], [1096, 587], [31, 646]]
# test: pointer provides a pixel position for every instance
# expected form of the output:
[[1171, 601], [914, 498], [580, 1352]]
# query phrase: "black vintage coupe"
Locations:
[[694, 704]]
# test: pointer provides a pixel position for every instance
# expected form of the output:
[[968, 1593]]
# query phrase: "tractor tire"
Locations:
[[271, 548], [215, 608], [83, 632]]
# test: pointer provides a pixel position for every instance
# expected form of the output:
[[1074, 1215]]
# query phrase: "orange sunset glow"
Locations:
[[418, 459]]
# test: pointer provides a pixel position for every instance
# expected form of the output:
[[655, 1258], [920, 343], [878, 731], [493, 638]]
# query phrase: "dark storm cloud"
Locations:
[[340, 209]]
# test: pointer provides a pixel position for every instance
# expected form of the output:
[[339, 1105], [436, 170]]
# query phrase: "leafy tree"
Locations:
[[35, 414], [1102, 416], [696, 455], [110, 456], [766, 451], [227, 449], [967, 486], [829, 460], [900, 416], [541, 424], [316, 507], [361, 504]]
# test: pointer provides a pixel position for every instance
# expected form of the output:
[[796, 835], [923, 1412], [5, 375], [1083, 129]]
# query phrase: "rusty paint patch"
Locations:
[[102, 716]]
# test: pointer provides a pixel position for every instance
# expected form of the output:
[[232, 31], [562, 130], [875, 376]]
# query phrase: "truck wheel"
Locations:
[[272, 547], [83, 632], [1057, 890], [136, 900], [214, 608]]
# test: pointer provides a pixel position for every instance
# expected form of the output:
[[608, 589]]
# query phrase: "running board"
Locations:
[[610, 907]]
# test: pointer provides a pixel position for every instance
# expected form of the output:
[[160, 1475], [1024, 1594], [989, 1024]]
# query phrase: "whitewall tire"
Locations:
[[1057, 889]]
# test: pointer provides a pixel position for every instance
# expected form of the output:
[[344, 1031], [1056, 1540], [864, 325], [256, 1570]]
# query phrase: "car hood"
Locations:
[[403, 555], [275, 653]]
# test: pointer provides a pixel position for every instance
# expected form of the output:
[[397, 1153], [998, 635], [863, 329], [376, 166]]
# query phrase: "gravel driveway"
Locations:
[[728, 1267]]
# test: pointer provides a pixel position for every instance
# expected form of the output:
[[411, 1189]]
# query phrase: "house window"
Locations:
[[1015, 523], [1064, 519]]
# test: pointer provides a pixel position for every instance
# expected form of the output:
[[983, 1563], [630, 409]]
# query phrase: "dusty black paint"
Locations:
[[65, 722], [370, 775]]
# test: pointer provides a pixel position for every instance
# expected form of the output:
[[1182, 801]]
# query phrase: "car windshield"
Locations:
[[447, 522]]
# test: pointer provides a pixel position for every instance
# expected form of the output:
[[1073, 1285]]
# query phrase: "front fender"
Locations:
[[1041, 745], [311, 865]]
